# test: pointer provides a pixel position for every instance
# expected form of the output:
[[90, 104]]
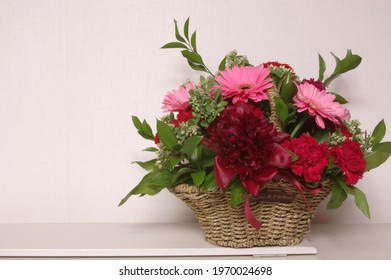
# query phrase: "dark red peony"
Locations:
[[350, 159], [247, 145], [312, 157]]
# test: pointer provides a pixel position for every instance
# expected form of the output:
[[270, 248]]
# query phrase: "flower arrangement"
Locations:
[[247, 125]]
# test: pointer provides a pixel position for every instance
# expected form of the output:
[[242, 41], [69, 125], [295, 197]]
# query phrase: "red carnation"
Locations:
[[345, 132], [318, 84], [156, 139], [183, 116], [312, 157], [246, 144], [350, 159], [277, 64]]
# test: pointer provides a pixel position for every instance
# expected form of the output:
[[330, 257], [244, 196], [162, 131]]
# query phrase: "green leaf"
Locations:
[[147, 129], [197, 67], [196, 157], [339, 98], [375, 159], [322, 67], [182, 175], [359, 197], [379, 132], [384, 147], [193, 41], [143, 128], [151, 184], [237, 192], [361, 202], [147, 165], [174, 45], [350, 62], [186, 28], [222, 64], [337, 59], [192, 56], [166, 135], [151, 149], [174, 160], [338, 196], [288, 90], [322, 135], [294, 157], [210, 182], [177, 35], [189, 145], [137, 123], [198, 177], [281, 109]]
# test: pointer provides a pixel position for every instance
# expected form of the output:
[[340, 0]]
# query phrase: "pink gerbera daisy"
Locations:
[[245, 82], [319, 104], [177, 99]]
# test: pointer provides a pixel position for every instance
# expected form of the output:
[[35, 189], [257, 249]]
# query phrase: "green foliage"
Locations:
[[222, 63], [147, 165], [340, 192], [166, 135], [380, 151], [338, 196], [281, 109], [205, 107], [349, 62], [151, 184], [384, 147], [198, 177], [232, 59], [375, 159], [237, 192], [322, 67], [361, 202], [190, 52], [288, 89], [151, 149], [339, 98], [190, 144], [379, 132], [143, 128], [210, 182]]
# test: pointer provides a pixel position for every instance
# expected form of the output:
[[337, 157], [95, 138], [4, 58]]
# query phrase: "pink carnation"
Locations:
[[319, 104], [245, 82], [177, 99]]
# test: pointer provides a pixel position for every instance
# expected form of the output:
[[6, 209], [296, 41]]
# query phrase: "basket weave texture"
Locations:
[[283, 223]]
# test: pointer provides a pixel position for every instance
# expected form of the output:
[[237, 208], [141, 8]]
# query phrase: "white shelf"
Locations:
[[367, 241], [124, 240]]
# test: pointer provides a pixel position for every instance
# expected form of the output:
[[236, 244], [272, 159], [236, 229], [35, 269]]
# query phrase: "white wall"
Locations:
[[73, 72]]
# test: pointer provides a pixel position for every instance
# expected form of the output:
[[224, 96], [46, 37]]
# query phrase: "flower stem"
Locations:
[[299, 126]]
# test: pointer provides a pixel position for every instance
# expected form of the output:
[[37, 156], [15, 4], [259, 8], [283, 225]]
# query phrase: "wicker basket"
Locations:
[[283, 211]]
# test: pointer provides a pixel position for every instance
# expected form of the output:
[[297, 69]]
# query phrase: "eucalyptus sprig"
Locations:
[[189, 44]]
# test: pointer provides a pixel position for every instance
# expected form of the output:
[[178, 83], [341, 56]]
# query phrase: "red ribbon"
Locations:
[[257, 224], [299, 186], [250, 216]]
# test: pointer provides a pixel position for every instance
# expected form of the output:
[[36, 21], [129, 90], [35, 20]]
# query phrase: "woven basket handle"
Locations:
[[272, 92]]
